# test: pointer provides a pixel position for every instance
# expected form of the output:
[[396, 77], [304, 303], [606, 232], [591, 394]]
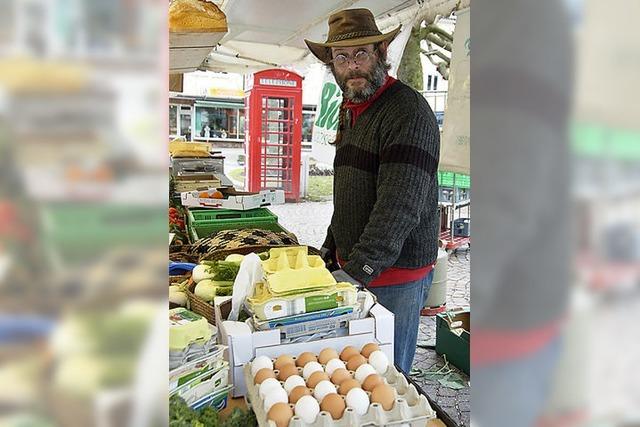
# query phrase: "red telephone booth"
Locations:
[[273, 131]]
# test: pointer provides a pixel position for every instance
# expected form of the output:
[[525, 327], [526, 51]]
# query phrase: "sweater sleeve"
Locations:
[[409, 153], [329, 241]]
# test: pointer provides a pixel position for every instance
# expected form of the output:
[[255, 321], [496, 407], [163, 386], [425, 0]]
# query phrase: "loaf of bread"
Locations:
[[188, 16]]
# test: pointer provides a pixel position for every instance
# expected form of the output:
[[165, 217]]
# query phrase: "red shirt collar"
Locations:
[[357, 109]]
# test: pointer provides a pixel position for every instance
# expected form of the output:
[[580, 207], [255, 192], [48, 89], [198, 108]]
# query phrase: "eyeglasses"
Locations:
[[359, 58]]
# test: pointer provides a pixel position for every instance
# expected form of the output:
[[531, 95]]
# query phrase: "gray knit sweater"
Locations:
[[385, 190]]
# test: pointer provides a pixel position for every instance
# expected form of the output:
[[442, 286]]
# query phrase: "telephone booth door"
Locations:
[[275, 136]]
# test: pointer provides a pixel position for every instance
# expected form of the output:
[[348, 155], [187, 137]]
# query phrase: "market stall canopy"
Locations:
[[270, 33]]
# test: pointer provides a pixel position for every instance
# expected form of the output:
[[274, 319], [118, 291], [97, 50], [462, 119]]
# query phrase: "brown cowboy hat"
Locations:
[[351, 27]]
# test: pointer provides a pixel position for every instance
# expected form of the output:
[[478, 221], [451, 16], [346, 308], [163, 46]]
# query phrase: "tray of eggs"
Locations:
[[331, 389]]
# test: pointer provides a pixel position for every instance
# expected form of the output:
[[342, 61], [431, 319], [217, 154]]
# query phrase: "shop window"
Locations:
[[173, 120], [308, 118], [185, 122], [217, 123]]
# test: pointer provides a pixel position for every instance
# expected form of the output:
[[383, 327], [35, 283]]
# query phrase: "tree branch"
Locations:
[[436, 52]]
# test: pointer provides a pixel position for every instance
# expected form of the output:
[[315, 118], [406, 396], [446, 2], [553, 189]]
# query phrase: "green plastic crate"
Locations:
[[204, 222], [445, 179], [75, 232], [455, 347]]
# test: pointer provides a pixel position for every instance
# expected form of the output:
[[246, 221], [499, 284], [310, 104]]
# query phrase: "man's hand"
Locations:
[[342, 276], [325, 253], [329, 259]]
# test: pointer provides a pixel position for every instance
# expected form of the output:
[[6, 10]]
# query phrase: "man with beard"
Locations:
[[384, 229]]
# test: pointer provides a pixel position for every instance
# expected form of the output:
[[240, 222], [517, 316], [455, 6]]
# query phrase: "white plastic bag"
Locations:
[[249, 274]]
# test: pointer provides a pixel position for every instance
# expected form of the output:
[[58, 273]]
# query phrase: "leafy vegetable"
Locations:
[[225, 271], [181, 415], [237, 258], [209, 289], [224, 292], [201, 272]]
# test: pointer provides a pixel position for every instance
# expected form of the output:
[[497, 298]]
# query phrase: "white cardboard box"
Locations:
[[244, 344], [236, 201]]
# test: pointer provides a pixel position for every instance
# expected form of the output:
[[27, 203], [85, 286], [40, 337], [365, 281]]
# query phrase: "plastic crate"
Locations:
[[73, 233], [445, 179], [204, 222]]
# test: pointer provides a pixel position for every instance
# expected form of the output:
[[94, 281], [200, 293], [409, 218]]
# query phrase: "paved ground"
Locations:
[[309, 221]]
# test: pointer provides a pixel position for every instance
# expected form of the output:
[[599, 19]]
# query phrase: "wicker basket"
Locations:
[[222, 254], [198, 305]]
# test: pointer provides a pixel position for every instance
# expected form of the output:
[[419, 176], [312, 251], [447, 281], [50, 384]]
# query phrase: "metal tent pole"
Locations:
[[453, 206]]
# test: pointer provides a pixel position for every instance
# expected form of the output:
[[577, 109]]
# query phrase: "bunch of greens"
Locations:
[[181, 415], [223, 271]]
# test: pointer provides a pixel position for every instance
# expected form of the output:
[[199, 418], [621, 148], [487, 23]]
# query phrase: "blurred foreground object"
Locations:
[[82, 186]]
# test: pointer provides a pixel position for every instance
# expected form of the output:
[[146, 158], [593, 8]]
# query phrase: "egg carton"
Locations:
[[185, 373], [293, 270], [293, 257], [290, 328], [410, 408], [265, 306], [204, 386], [194, 352]]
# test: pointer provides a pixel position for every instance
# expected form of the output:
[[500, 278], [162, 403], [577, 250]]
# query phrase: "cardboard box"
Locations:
[[243, 344], [235, 200], [454, 342]]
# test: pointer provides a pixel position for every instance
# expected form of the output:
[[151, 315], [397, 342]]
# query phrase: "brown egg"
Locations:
[[369, 348], [347, 385], [340, 375], [305, 358], [297, 393], [315, 378], [287, 371], [326, 355], [348, 352], [263, 374], [282, 361], [333, 404], [371, 382], [384, 395], [280, 413], [355, 361]]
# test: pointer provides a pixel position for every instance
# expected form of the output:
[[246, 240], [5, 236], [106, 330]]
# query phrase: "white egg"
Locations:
[[379, 361], [267, 385], [259, 363], [364, 371], [334, 364], [274, 396], [310, 368], [358, 400], [307, 408], [292, 382], [322, 389]]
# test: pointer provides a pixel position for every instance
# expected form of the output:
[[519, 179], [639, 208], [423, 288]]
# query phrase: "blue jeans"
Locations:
[[513, 393], [405, 302]]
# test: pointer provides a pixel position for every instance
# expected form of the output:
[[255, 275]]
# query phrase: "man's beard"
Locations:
[[375, 80]]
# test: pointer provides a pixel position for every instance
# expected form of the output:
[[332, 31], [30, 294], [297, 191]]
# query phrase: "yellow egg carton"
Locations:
[[266, 306], [293, 271], [185, 328]]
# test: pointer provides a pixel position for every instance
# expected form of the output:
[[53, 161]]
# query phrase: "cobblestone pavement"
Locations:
[[309, 221]]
